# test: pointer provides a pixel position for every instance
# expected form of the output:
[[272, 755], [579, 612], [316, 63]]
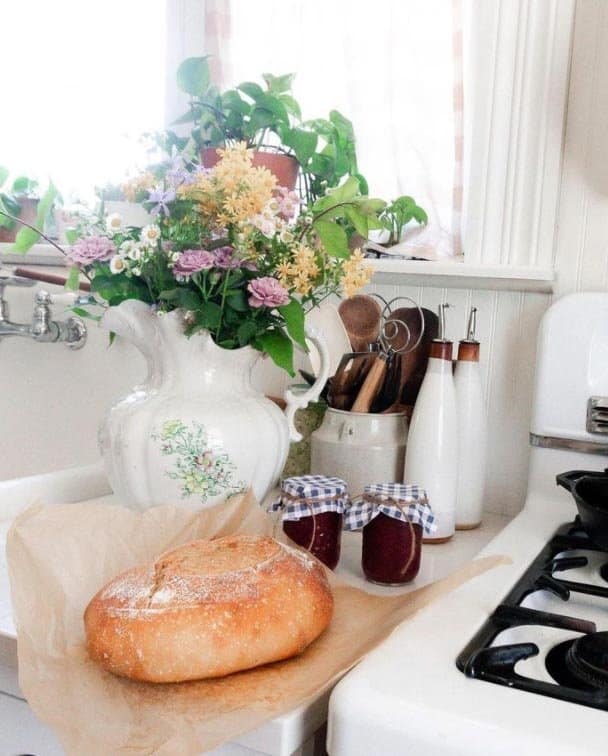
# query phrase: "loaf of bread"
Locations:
[[207, 609]]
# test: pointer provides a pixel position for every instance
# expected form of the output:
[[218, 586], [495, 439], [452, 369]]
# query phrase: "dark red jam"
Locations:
[[325, 533], [391, 550]]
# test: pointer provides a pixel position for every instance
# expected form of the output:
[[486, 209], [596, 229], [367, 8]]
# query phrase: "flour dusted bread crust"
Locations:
[[207, 609]]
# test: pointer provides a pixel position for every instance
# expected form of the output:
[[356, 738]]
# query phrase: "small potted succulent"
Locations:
[[268, 120]]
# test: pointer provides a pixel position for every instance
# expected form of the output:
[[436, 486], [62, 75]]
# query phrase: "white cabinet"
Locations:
[[22, 733]]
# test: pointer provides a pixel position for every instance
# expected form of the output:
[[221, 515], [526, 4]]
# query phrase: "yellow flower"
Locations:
[[142, 183], [356, 272]]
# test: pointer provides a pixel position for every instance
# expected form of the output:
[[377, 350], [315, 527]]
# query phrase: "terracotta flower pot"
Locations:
[[29, 209], [284, 167]]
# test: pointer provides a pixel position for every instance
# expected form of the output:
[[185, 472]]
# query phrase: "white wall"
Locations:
[[52, 399]]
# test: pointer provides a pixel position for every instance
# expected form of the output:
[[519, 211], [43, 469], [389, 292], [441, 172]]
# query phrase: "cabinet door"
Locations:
[[22, 733]]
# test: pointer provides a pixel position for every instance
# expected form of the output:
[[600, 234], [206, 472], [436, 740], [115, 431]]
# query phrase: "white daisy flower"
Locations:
[[117, 264], [135, 253], [286, 236], [150, 234], [114, 223]]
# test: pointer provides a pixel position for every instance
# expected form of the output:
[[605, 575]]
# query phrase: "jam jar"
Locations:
[[393, 517], [312, 508]]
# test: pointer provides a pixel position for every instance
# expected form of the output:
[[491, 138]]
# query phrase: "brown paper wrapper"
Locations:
[[60, 556]]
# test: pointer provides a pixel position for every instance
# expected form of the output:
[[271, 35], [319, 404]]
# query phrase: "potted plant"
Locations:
[[23, 205], [269, 120]]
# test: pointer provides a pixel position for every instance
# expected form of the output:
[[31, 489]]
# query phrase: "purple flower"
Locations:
[[161, 198], [192, 261], [91, 249], [267, 292], [224, 258]]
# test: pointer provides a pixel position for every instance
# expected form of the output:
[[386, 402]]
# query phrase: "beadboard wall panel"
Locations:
[[507, 325]]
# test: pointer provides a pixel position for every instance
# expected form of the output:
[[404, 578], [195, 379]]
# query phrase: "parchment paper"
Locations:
[[59, 557]]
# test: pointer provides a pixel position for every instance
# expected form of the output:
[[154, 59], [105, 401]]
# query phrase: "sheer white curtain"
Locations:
[[393, 67]]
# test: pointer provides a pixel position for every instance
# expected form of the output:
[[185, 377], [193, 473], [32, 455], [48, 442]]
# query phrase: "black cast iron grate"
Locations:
[[496, 664]]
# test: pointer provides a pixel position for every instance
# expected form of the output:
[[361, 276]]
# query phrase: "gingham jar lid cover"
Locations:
[[313, 487], [401, 501], [310, 495]]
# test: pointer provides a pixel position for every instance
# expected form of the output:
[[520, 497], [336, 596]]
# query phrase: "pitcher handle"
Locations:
[[300, 400]]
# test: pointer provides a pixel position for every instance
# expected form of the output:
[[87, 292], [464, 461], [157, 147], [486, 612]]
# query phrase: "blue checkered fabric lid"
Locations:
[[308, 495], [408, 503]]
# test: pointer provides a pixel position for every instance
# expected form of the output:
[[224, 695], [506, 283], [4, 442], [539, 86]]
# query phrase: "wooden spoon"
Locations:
[[361, 317]]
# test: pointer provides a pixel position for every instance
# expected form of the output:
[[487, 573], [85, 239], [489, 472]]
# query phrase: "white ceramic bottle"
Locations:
[[472, 431], [431, 455]]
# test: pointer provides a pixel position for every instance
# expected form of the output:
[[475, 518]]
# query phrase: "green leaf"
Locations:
[[193, 76], [420, 215], [73, 280], [71, 235], [343, 125], [25, 240], [279, 348], [346, 191], [278, 84], [251, 89], [303, 143], [23, 185], [238, 301], [82, 313], [293, 314], [46, 205], [210, 315], [188, 299], [246, 332], [291, 105], [333, 237], [359, 221]]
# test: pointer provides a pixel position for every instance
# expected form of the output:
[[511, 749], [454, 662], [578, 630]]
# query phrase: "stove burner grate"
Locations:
[[579, 666]]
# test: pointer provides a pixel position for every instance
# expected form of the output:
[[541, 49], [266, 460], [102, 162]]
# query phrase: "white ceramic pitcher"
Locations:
[[195, 431]]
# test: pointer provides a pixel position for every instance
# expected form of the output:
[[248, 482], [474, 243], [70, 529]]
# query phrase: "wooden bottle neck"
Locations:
[[468, 351], [441, 350]]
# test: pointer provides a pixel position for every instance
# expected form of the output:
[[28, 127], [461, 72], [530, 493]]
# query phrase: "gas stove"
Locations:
[[550, 634]]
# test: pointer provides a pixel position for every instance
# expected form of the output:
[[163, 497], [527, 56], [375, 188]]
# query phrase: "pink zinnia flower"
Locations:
[[91, 249], [267, 292], [192, 261]]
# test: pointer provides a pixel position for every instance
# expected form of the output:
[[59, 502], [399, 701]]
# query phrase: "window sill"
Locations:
[[460, 275], [453, 274], [39, 254]]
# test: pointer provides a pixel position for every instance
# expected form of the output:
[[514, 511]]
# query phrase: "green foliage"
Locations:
[[11, 205], [398, 214], [250, 113]]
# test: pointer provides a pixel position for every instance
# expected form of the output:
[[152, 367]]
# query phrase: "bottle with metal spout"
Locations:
[[431, 455], [472, 431]]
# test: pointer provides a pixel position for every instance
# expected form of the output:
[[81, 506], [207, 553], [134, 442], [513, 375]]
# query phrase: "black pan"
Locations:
[[590, 491]]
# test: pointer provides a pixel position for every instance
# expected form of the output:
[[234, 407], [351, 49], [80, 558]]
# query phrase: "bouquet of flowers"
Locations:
[[240, 256]]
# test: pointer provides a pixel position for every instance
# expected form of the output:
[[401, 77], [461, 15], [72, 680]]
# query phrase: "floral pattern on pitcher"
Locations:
[[201, 470]]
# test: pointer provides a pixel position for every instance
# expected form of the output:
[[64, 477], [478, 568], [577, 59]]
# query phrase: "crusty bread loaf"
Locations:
[[207, 609]]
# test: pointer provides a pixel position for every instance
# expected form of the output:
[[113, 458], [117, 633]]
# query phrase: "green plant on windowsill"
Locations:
[[397, 214], [269, 118], [23, 201]]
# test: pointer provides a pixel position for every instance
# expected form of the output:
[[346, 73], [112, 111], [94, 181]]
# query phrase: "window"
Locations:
[[392, 67], [81, 81]]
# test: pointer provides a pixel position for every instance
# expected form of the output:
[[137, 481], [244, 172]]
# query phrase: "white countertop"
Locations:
[[283, 735]]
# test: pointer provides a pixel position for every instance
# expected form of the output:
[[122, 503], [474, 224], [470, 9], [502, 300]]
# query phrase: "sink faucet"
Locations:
[[43, 328]]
